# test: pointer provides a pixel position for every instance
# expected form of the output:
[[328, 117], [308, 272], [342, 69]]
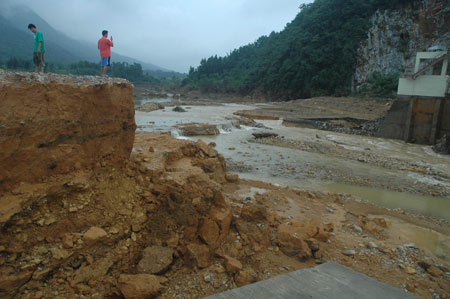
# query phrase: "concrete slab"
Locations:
[[329, 280]]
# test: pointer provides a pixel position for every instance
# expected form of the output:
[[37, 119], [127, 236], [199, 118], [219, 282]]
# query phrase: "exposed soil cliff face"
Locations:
[[53, 125], [397, 35]]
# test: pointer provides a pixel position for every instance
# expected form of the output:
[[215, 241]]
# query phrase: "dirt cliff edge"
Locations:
[[52, 125]]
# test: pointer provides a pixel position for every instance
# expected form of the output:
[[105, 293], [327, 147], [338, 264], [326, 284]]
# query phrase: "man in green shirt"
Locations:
[[39, 49]]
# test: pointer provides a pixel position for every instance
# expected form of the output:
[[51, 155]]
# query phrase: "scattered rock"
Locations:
[[94, 234], [292, 238], [206, 149], [60, 254], [155, 260], [357, 228], [199, 255], [264, 135], [178, 109], [245, 277], [140, 286], [150, 106], [67, 241], [372, 245], [232, 265], [195, 129], [208, 277], [210, 232], [88, 272], [410, 270], [349, 252], [232, 178]]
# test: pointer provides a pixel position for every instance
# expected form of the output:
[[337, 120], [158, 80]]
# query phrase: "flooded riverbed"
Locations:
[[310, 170]]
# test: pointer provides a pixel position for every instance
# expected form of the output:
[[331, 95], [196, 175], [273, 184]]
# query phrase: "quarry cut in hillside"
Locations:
[[121, 214]]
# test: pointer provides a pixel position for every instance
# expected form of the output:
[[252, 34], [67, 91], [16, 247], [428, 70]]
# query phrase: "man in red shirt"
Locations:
[[104, 45]]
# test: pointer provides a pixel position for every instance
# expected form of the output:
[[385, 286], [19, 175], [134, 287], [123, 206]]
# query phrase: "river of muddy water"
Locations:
[[392, 188]]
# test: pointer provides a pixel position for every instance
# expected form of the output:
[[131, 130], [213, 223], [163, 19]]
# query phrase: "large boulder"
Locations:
[[195, 129], [296, 238]]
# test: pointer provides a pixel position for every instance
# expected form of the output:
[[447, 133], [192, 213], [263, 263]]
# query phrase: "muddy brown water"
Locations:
[[305, 170]]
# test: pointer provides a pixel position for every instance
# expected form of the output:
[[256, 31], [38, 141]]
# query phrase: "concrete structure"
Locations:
[[328, 280], [422, 112], [430, 77]]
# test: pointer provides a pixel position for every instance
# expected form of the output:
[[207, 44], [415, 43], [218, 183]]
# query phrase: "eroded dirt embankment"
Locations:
[[170, 221], [51, 126]]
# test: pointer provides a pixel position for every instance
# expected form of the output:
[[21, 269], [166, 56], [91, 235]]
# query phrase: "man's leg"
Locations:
[[41, 56], [103, 68], [36, 63]]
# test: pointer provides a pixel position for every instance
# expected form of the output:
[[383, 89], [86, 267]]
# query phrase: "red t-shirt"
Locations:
[[104, 45]]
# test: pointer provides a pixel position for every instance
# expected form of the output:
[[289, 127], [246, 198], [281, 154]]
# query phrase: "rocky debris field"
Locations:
[[173, 223]]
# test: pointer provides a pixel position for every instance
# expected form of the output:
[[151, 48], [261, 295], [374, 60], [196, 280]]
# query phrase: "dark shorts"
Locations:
[[38, 58], [106, 61]]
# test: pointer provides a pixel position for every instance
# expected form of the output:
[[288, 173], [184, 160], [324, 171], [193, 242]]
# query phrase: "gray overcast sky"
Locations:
[[173, 34]]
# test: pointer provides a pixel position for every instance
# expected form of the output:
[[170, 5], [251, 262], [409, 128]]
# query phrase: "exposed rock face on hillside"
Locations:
[[397, 35], [52, 125]]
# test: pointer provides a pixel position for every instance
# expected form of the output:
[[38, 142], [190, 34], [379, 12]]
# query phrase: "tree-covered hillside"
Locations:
[[314, 55]]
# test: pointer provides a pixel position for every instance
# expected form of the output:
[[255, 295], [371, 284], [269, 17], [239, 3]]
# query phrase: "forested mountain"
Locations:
[[16, 41], [314, 55]]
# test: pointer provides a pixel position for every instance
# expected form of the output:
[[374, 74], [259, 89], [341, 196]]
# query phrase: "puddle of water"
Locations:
[[438, 207], [429, 240]]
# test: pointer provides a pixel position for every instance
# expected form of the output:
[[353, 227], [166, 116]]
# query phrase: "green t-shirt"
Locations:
[[39, 37]]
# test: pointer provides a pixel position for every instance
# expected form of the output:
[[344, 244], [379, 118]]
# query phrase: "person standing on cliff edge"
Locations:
[[104, 45], [39, 49]]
